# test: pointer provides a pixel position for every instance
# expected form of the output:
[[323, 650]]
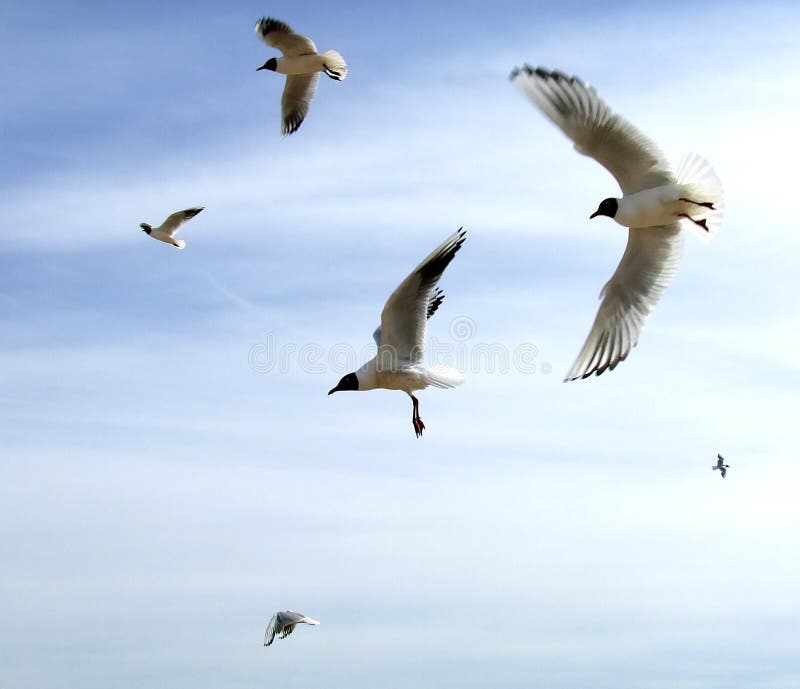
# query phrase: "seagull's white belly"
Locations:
[[649, 207], [404, 379], [300, 64], [161, 236]]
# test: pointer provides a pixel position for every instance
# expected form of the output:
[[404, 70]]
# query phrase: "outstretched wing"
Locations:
[[175, 221], [650, 260], [278, 35], [272, 628], [723, 471], [595, 129], [405, 315], [296, 99], [437, 297]]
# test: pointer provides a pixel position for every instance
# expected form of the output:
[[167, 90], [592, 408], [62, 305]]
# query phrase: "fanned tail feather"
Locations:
[[700, 183], [335, 66]]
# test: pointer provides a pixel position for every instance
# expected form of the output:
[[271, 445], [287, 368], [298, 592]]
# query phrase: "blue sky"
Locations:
[[161, 498]]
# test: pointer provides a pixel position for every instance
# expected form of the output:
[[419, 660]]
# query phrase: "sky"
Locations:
[[173, 470]]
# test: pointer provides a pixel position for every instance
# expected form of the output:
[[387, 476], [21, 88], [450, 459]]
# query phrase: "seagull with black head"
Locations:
[[302, 66], [401, 335]]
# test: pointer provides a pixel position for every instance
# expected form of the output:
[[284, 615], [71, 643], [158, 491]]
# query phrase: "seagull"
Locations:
[[656, 204], [721, 465], [302, 64], [169, 228], [283, 624], [401, 335]]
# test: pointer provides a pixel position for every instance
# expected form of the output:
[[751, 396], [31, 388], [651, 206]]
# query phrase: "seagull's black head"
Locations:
[[145, 227], [607, 207], [349, 382], [271, 65]]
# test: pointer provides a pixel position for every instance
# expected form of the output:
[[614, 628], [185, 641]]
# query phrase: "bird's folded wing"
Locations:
[[297, 95], [648, 264], [598, 132], [175, 221], [405, 315], [278, 35], [269, 635]]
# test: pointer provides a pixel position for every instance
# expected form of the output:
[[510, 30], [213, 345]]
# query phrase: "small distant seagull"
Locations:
[[302, 65], [401, 335], [169, 228], [655, 205], [721, 465], [283, 624]]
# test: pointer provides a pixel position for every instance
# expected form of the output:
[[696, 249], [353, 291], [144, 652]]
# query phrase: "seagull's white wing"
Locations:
[[596, 130], [278, 35], [405, 315], [175, 221], [436, 298], [272, 628], [297, 95], [648, 264]]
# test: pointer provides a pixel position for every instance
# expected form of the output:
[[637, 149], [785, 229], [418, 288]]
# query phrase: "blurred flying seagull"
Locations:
[[655, 205], [721, 465], [302, 65], [169, 228], [401, 335], [283, 624]]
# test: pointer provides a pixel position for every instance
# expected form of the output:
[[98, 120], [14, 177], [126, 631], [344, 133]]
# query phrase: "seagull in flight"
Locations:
[[167, 230], [655, 205], [301, 64], [721, 466], [401, 335], [283, 623]]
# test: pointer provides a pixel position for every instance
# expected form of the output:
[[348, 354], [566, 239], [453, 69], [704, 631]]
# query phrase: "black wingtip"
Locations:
[[267, 25]]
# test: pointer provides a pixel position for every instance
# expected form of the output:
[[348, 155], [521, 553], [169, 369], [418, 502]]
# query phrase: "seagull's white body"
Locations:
[[651, 207], [401, 335], [302, 66], [655, 206], [283, 623], [167, 230]]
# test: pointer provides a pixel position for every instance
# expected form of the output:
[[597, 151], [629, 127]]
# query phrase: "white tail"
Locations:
[[335, 66], [443, 377], [700, 183], [179, 243]]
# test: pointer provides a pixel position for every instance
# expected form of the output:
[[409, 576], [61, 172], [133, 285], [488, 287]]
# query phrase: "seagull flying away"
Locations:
[[283, 624], [721, 465], [655, 205], [401, 335], [301, 64], [167, 230]]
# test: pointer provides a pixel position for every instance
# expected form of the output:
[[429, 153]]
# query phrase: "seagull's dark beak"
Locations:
[[595, 214], [336, 389], [258, 69]]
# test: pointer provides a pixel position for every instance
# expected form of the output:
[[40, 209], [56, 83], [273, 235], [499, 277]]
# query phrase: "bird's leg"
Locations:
[[704, 204], [415, 420], [700, 223]]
